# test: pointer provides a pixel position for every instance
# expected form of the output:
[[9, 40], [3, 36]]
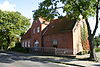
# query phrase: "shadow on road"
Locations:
[[9, 57]]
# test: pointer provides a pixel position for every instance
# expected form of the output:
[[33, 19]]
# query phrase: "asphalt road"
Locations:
[[20, 60]]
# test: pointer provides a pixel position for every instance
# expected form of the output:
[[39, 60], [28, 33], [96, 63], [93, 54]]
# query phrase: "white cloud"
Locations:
[[6, 6]]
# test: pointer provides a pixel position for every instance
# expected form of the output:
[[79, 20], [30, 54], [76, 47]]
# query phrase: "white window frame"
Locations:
[[38, 29], [34, 31], [25, 43], [36, 43], [54, 42], [22, 43], [28, 43], [36, 21]]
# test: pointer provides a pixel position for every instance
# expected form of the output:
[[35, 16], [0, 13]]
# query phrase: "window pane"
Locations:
[[29, 43], [34, 30], [55, 42], [23, 44], [38, 29], [36, 43]]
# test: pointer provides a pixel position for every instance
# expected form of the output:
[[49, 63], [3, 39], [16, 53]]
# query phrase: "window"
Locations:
[[38, 29], [22, 43], [25, 43], [36, 43], [34, 31], [36, 21], [29, 43], [54, 43]]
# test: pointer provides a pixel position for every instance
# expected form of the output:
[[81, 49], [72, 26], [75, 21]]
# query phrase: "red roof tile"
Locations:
[[59, 26]]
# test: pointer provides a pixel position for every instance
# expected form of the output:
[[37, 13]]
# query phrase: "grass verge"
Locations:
[[97, 49]]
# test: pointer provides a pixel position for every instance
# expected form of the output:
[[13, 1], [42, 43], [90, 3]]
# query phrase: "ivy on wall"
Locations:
[[84, 36]]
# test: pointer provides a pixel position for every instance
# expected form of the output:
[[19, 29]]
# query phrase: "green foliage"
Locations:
[[97, 41], [48, 9], [12, 25], [97, 49], [18, 48], [84, 36]]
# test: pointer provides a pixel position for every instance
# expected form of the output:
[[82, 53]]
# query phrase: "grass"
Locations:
[[97, 49]]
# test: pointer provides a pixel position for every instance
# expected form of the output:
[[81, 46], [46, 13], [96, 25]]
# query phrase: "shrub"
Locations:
[[18, 48]]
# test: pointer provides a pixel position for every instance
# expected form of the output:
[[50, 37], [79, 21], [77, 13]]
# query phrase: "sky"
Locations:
[[25, 7]]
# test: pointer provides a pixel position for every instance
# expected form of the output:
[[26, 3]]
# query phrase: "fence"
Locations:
[[51, 51]]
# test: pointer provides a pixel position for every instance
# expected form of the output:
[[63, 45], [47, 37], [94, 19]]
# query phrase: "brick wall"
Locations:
[[64, 40], [34, 34]]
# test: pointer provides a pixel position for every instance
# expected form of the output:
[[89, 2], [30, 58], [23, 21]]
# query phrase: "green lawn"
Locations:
[[97, 49]]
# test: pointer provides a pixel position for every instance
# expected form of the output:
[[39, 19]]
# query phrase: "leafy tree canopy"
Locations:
[[12, 24], [48, 9]]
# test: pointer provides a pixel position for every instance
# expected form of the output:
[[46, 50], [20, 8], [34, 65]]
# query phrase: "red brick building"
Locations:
[[63, 34]]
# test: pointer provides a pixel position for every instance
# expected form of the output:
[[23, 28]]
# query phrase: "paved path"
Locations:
[[98, 55], [25, 60]]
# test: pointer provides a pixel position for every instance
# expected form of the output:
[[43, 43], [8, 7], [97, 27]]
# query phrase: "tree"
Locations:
[[12, 24], [48, 9]]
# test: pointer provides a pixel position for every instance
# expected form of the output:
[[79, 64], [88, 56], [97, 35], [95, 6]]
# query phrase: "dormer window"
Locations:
[[38, 29], [36, 21], [52, 26], [34, 31]]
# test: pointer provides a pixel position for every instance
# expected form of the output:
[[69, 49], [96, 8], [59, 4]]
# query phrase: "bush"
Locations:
[[23, 50], [18, 48]]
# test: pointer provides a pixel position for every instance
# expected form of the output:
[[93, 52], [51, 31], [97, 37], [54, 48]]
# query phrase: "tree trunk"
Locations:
[[2, 48], [1, 43], [90, 38], [92, 50], [8, 42]]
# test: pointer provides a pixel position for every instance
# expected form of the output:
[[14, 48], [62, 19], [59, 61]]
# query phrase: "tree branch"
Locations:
[[96, 25], [53, 8], [88, 25]]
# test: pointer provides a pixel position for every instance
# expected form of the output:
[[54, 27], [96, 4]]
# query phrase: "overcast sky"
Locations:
[[25, 7]]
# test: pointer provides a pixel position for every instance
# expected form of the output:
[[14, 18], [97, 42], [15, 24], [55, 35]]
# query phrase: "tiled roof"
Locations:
[[27, 34], [59, 26]]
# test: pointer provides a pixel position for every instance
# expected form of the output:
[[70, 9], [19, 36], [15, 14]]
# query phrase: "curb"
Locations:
[[64, 63]]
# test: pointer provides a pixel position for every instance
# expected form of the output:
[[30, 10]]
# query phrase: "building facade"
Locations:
[[62, 34]]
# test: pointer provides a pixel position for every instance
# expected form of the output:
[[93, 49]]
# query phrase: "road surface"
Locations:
[[22, 60]]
